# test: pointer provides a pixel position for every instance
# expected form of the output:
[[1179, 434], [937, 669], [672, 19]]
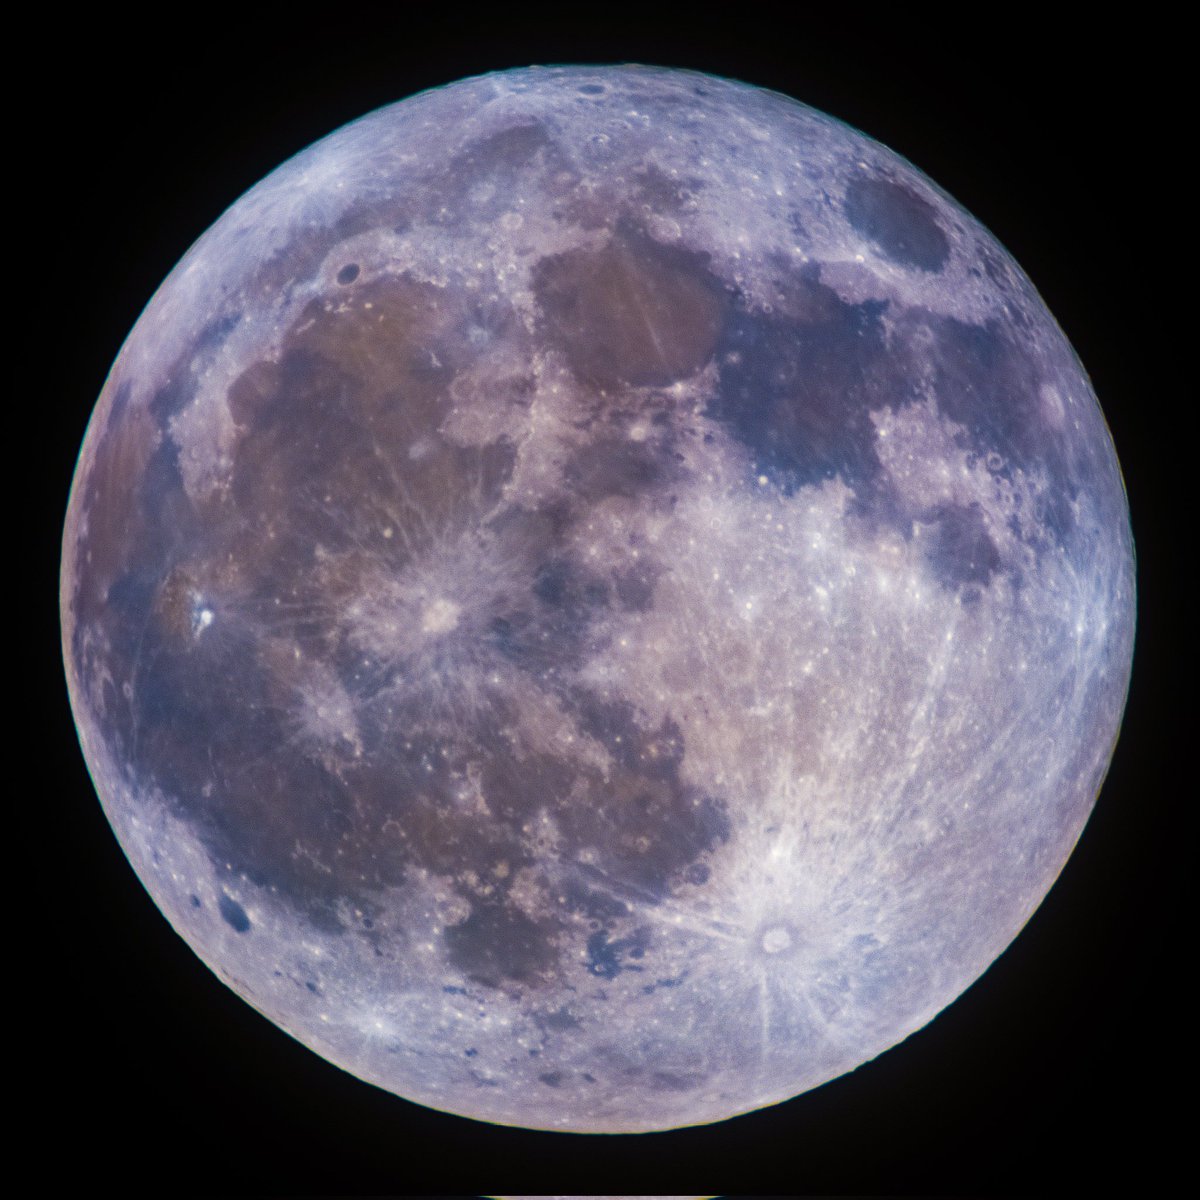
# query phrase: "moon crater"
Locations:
[[777, 938]]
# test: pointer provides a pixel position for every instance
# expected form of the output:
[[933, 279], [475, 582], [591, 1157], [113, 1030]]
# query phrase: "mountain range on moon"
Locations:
[[608, 626]]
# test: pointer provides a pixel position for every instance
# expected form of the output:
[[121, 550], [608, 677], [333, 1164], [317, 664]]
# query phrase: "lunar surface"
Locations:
[[597, 598]]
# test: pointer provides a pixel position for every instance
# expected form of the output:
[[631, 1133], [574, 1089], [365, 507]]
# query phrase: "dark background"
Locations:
[[1056, 1069]]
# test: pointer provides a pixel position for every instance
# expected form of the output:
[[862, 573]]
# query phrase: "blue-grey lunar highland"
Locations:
[[597, 598]]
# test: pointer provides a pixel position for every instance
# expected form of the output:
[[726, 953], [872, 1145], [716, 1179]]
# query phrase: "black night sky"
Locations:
[[1053, 1072]]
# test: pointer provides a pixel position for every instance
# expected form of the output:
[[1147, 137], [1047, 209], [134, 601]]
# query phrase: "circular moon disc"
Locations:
[[597, 598]]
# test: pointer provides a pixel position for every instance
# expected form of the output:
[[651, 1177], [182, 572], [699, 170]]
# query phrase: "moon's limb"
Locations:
[[608, 623]]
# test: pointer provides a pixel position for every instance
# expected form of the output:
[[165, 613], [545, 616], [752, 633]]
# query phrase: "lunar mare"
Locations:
[[597, 598]]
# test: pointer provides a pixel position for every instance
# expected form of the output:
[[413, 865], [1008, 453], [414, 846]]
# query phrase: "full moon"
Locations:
[[597, 598]]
